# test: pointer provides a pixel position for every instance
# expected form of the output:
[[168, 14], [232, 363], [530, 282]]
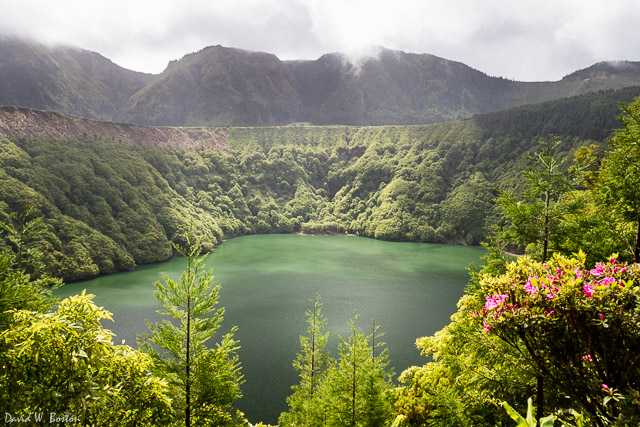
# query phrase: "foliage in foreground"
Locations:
[[551, 324], [64, 362], [576, 326]]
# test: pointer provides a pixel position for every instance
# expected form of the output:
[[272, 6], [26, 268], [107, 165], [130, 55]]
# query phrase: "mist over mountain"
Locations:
[[220, 86]]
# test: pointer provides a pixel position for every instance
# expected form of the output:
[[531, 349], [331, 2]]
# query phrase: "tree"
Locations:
[[64, 363], [356, 389], [466, 210], [311, 362], [468, 373], [20, 231], [18, 289], [206, 381], [619, 184], [535, 221]]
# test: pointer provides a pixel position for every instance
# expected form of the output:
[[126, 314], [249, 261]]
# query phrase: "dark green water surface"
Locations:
[[410, 288]]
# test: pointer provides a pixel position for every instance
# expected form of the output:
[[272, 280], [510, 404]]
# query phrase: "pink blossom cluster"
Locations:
[[549, 286]]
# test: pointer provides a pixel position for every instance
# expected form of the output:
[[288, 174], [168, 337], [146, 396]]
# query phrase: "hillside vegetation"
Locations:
[[110, 203]]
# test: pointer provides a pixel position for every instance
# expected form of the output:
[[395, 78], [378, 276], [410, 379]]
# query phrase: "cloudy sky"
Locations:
[[516, 39]]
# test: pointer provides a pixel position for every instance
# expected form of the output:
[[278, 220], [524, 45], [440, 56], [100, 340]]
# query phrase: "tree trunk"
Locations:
[[187, 388], [540, 398], [353, 391], [636, 250], [545, 242], [313, 351]]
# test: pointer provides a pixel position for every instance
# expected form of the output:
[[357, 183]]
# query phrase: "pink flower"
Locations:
[[494, 301], [588, 290], [613, 261], [577, 272], [598, 271], [490, 304], [601, 316], [486, 328], [606, 387], [587, 357], [551, 312], [532, 290], [500, 298], [607, 281]]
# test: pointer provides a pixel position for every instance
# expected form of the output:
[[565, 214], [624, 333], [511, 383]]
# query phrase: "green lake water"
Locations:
[[411, 289]]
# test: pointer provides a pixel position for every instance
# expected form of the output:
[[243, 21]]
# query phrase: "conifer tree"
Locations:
[[357, 385], [206, 380], [311, 362], [534, 221]]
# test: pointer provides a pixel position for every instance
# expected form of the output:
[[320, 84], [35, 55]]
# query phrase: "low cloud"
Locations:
[[542, 40]]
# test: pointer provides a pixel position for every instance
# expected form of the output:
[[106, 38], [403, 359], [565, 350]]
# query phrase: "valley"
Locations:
[[114, 196]]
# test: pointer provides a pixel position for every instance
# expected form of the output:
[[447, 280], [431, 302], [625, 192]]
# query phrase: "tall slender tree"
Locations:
[[21, 287], [357, 386], [534, 221], [311, 362], [206, 380]]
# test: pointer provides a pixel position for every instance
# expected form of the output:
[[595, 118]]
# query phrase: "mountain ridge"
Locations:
[[221, 86]]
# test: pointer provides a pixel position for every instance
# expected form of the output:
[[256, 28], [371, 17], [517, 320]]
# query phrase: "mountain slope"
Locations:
[[392, 88], [395, 87], [65, 79], [218, 86]]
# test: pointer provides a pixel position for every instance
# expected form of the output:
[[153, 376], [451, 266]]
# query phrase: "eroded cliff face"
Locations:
[[25, 122]]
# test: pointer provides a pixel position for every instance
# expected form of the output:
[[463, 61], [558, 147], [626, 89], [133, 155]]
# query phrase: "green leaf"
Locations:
[[515, 416], [547, 421]]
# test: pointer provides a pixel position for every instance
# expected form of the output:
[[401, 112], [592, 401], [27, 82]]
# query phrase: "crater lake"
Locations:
[[411, 289]]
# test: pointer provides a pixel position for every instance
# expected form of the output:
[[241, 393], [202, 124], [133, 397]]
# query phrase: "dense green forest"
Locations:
[[558, 325], [109, 206]]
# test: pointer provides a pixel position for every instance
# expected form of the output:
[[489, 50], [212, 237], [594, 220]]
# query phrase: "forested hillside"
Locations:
[[109, 203]]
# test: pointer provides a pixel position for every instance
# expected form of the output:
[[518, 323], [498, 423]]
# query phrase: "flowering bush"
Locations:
[[577, 326]]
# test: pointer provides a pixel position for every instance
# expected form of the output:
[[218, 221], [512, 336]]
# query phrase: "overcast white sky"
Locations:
[[516, 39]]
